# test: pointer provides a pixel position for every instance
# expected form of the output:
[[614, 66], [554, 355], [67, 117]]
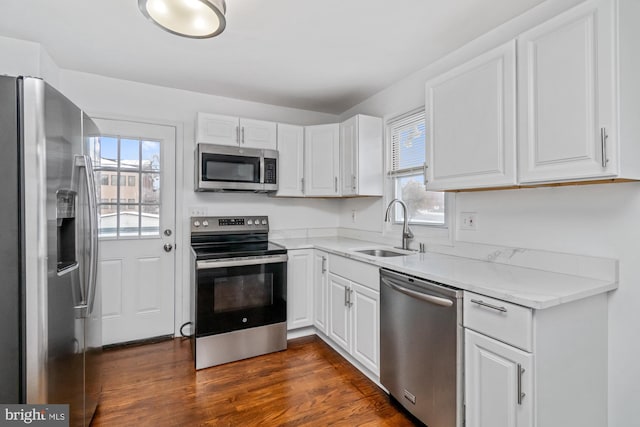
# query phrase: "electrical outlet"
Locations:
[[469, 221], [198, 211]]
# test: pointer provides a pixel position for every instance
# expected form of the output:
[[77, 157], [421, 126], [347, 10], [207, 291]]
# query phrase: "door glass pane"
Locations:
[[151, 155], [108, 220], [129, 220], [129, 193], [150, 188], [106, 152], [150, 218], [129, 154]]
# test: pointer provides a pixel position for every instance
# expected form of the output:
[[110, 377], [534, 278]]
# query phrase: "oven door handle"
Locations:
[[239, 262]]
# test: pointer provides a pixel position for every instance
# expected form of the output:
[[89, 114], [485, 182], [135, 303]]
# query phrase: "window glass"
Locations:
[[407, 144], [129, 170]]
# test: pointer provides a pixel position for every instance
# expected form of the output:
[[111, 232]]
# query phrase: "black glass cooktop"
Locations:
[[236, 249]]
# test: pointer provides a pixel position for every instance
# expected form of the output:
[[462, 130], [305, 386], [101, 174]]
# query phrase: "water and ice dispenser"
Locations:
[[66, 228]]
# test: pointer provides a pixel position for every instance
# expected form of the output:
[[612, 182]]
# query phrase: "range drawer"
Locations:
[[356, 271], [509, 323]]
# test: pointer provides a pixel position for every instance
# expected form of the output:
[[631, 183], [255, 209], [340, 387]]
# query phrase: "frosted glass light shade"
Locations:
[[197, 19]]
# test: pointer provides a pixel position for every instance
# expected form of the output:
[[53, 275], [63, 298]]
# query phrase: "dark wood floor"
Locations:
[[309, 384]]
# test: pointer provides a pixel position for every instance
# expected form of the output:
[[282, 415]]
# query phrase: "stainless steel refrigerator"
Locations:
[[50, 306]]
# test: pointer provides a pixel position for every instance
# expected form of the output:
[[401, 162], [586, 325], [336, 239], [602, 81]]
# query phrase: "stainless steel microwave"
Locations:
[[227, 168]]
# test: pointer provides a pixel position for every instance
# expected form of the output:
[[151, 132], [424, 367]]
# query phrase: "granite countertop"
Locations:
[[529, 287]]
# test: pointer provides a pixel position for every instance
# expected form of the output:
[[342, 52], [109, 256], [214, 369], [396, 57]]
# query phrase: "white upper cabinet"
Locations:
[[217, 129], [258, 134], [361, 156], [290, 160], [322, 160], [470, 122], [566, 92], [228, 130]]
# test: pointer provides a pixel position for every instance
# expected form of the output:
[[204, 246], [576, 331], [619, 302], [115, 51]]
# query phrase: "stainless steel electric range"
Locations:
[[239, 289]]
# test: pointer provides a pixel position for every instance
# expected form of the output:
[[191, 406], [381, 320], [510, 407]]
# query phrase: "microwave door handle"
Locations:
[[262, 169]]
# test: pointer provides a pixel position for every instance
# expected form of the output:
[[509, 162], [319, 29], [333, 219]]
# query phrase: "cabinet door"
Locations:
[[339, 324], [470, 114], [566, 96], [291, 160], [258, 134], [365, 315], [493, 371], [349, 156], [369, 168], [299, 288], [320, 290], [216, 129], [322, 161]]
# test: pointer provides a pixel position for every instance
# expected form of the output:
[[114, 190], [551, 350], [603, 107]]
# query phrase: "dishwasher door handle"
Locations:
[[444, 302]]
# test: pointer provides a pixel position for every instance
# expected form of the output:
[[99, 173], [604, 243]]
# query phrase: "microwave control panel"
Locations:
[[270, 171]]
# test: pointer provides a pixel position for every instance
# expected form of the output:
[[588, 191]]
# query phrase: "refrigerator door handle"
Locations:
[[90, 291]]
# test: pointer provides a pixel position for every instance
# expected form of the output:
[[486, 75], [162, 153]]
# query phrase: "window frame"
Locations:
[[392, 176]]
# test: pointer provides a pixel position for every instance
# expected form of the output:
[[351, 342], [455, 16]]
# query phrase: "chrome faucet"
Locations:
[[406, 231]]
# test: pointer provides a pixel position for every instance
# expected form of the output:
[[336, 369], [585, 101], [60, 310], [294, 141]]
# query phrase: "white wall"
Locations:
[[24, 58], [597, 220]]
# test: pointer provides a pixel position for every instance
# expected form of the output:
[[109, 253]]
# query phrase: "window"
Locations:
[[131, 206], [104, 179], [407, 145]]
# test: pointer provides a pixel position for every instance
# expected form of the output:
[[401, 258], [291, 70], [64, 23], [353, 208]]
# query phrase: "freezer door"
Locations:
[[11, 384]]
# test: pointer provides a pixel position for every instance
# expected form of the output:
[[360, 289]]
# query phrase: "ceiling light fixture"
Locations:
[[198, 19]]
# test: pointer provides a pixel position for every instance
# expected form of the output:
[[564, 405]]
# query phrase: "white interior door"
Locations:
[[135, 176]]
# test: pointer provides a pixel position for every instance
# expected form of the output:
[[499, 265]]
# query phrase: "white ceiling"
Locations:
[[317, 55]]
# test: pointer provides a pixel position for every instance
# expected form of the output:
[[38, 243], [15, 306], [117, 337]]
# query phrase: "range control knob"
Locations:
[[250, 222], [264, 222], [205, 223], [196, 223], [256, 221]]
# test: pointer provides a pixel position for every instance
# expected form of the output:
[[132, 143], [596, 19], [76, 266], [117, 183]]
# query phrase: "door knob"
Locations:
[[168, 247]]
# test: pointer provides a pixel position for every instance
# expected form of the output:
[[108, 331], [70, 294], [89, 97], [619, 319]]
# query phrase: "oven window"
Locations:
[[219, 167], [232, 298], [242, 292]]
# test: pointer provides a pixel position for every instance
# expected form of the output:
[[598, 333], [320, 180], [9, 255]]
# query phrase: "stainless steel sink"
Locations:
[[384, 253]]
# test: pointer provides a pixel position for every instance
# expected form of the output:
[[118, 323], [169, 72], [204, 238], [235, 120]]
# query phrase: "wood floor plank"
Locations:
[[309, 384]]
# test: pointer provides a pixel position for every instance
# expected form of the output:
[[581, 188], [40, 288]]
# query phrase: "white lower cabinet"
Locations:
[[365, 317], [498, 383], [542, 368], [300, 288], [320, 289], [354, 310], [339, 319]]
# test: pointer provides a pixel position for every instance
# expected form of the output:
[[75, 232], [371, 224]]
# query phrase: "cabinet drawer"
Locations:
[[509, 323], [356, 271]]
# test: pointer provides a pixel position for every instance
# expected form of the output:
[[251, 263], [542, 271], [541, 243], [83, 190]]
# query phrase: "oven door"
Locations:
[[229, 168], [240, 293]]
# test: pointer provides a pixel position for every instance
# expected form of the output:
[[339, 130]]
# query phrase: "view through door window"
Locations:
[[128, 180]]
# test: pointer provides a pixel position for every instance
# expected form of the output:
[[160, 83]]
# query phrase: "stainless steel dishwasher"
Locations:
[[421, 347]]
